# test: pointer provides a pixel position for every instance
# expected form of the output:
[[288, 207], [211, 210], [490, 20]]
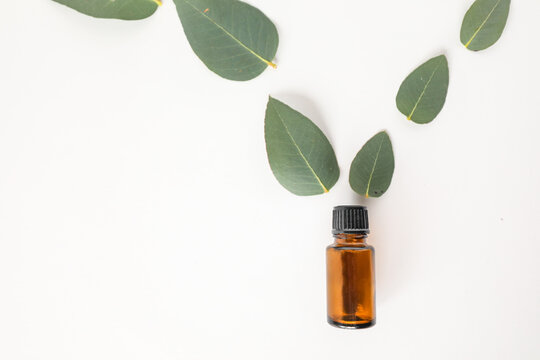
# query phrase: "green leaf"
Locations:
[[233, 39], [422, 94], [373, 167], [114, 9], [300, 156], [484, 23]]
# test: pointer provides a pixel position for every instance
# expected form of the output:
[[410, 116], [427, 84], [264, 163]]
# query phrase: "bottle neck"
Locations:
[[350, 239]]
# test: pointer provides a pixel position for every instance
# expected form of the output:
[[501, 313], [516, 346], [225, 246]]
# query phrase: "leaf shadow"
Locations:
[[431, 54], [307, 107], [427, 56]]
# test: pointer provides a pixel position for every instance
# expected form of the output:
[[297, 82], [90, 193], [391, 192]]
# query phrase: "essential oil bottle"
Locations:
[[350, 276]]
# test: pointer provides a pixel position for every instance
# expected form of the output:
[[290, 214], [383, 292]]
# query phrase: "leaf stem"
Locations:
[[482, 25], [325, 190], [203, 13], [423, 91], [373, 168]]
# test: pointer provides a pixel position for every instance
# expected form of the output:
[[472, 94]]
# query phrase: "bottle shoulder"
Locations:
[[350, 246]]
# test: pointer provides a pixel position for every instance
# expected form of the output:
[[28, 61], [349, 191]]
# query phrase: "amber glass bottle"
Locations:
[[350, 278]]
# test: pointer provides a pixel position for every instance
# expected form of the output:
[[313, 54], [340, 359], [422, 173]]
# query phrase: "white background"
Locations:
[[139, 218]]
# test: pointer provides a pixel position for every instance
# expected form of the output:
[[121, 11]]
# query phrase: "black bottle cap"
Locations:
[[350, 219]]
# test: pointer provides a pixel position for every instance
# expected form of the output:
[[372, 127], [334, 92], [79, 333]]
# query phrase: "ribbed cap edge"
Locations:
[[350, 219]]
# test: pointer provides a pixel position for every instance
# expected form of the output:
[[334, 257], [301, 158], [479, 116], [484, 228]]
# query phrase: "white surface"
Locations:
[[139, 218]]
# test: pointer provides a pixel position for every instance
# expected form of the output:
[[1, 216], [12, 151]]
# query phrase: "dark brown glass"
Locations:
[[350, 282]]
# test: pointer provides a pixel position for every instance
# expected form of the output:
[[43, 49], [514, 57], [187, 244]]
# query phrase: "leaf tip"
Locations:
[[271, 99], [443, 59]]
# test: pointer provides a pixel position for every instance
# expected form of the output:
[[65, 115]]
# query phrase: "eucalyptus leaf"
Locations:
[[299, 154], [422, 94], [372, 168], [114, 9], [233, 39], [484, 23]]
